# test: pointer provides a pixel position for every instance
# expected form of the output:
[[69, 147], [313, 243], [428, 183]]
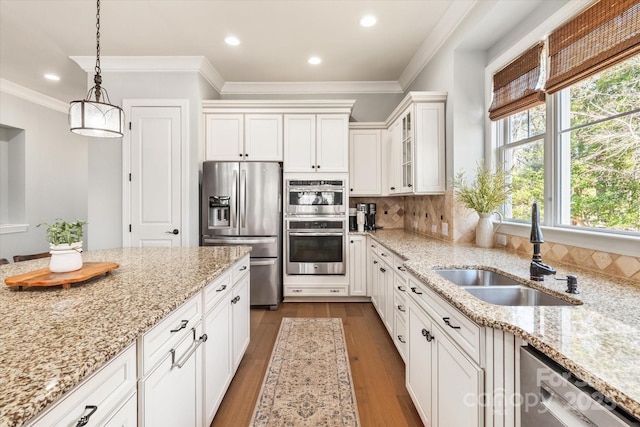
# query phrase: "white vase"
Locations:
[[485, 230], [65, 258]]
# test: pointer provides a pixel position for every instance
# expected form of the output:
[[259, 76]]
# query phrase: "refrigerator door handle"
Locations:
[[234, 191], [243, 192]]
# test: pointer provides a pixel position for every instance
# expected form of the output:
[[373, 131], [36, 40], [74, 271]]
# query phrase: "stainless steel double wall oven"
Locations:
[[315, 227]]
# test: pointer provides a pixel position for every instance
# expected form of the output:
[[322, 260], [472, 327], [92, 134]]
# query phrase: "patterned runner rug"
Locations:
[[308, 381]]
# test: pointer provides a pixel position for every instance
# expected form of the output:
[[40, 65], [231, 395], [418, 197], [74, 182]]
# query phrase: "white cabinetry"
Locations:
[[316, 143], [233, 137], [108, 397], [240, 315], [443, 380], [357, 265], [417, 145], [171, 386], [365, 165]]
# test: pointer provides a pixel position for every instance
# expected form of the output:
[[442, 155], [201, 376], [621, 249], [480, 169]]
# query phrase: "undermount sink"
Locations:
[[476, 277], [515, 295], [498, 289]]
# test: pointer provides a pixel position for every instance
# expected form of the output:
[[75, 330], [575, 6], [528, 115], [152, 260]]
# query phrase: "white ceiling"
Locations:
[[277, 38]]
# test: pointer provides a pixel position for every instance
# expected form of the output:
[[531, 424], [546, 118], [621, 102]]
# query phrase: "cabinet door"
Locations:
[[217, 357], [263, 137], [365, 162], [357, 266], [126, 416], [224, 135], [430, 148], [407, 148], [419, 373], [299, 143], [374, 269], [457, 387], [395, 158], [172, 396], [386, 295], [240, 322], [332, 143]]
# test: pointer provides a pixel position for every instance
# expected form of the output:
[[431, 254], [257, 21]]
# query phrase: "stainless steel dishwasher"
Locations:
[[552, 397]]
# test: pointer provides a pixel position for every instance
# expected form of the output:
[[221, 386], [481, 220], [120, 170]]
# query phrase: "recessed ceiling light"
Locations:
[[314, 60], [52, 77], [368, 21], [232, 41]]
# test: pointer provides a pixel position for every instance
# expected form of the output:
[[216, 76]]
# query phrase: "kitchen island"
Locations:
[[54, 338], [597, 340]]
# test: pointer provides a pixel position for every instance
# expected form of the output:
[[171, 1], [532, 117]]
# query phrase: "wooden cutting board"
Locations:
[[44, 276]]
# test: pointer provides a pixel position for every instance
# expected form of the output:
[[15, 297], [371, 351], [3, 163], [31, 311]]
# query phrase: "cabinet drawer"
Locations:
[[216, 290], [386, 255], [315, 291], [374, 246], [240, 268], [107, 389], [398, 265], [456, 325], [399, 304], [157, 342]]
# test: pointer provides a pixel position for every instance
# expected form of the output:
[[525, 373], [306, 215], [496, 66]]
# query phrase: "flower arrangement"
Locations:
[[489, 191], [64, 232]]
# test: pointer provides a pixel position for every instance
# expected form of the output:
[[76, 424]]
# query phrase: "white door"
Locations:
[[155, 177]]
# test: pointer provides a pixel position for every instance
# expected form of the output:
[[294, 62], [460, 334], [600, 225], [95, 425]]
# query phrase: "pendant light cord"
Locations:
[[97, 78]]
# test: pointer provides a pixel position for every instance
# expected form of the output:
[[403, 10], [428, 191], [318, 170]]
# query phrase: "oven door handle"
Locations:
[[314, 234]]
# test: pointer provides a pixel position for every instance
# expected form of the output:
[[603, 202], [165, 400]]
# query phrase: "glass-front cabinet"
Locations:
[[407, 152]]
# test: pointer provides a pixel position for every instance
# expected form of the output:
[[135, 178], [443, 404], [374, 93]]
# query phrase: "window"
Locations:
[[596, 150], [599, 150], [523, 154]]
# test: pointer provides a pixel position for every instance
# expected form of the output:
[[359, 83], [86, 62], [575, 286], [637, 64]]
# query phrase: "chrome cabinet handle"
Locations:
[[235, 300], [84, 420], [244, 267], [448, 323], [383, 270], [401, 268], [415, 291], [335, 291], [401, 289], [296, 290], [180, 363], [375, 262], [427, 335], [401, 339], [221, 288], [383, 254], [183, 324], [401, 308]]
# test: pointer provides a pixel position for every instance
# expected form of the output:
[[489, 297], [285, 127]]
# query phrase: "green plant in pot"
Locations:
[[65, 243], [485, 195]]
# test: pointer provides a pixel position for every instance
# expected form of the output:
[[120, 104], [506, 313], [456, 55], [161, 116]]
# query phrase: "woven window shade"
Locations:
[[605, 34], [518, 86]]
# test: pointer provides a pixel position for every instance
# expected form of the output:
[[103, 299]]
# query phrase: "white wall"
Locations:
[[56, 172]]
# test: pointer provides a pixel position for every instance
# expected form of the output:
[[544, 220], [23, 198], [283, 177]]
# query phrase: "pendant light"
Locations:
[[95, 117]]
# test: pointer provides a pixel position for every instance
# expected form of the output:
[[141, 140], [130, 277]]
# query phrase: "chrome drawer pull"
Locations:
[[401, 339], [222, 288], [235, 300], [415, 291], [183, 324], [84, 420], [382, 270], [296, 290], [244, 267], [401, 268], [401, 308], [448, 323], [335, 290], [401, 289], [179, 364]]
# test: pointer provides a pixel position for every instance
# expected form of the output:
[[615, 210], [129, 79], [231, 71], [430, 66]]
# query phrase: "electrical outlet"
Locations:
[[501, 239], [445, 229], [434, 228]]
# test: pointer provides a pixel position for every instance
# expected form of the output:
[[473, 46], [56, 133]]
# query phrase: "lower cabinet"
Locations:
[[240, 319], [357, 265]]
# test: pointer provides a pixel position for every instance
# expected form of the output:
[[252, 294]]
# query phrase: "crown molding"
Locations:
[[434, 41], [310, 87], [147, 64], [279, 105], [31, 95], [413, 97]]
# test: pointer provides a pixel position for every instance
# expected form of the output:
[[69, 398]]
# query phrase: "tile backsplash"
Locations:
[[421, 213]]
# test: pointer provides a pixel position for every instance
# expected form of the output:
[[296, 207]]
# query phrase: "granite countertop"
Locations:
[[598, 341], [53, 338]]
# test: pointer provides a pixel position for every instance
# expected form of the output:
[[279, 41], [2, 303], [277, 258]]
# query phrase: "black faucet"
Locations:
[[537, 269]]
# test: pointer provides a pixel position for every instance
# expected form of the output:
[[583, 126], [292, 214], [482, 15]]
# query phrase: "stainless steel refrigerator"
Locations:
[[241, 205]]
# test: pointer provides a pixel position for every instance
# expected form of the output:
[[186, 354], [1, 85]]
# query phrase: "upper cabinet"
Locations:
[[232, 137], [308, 136], [365, 164], [316, 143]]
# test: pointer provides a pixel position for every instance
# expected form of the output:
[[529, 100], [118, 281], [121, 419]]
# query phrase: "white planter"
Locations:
[[485, 231], [65, 257]]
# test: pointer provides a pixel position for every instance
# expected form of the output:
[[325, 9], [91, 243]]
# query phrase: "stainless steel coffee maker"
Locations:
[[371, 216]]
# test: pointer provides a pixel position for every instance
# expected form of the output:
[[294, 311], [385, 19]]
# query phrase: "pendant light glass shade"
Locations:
[[96, 119], [90, 117]]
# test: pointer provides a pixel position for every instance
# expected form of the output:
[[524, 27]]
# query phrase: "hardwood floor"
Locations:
[[376, 366]]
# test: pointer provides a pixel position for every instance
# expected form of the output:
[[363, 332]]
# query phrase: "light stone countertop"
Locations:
[[598, 341], [53, 338]]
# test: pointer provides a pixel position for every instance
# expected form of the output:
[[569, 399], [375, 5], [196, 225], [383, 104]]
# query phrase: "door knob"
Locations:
[[175, 231]]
